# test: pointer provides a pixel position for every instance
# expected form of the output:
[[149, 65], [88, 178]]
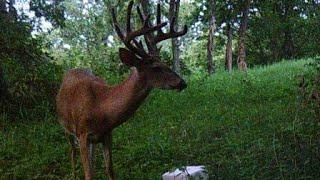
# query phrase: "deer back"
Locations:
[[78, 99]]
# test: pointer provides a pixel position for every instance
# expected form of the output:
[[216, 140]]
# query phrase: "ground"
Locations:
[[238, 125]]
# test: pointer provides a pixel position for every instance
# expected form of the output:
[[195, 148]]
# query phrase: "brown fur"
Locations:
[[89, 109], [85, 103]]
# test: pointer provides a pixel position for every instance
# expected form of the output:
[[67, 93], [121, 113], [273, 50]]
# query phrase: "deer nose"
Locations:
[[182, 85]]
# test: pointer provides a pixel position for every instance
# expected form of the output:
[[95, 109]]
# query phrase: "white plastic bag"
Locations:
[[189, 172]]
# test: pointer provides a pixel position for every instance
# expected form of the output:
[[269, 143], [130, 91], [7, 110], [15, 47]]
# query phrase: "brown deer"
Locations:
[[89, 109]]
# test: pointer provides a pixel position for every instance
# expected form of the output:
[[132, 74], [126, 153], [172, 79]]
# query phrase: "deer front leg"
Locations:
[[107, 154], [84, 153]]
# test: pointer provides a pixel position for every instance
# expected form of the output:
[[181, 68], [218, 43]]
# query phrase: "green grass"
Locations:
[[237, 125]]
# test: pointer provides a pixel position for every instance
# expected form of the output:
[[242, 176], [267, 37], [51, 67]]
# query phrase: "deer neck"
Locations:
[[124, 99]]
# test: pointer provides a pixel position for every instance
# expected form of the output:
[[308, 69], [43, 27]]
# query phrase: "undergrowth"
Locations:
[[238, 125]]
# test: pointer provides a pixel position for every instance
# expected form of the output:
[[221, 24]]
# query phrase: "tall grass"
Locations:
[[238, 125]]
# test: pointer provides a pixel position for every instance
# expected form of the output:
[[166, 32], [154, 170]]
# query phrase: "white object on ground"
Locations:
[[189, 172]]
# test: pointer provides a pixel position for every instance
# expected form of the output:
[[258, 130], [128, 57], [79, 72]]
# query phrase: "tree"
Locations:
[[279, 29], [242, 65], [2, 81], [210, 43], [228, 56], [173, 13], [228, 14], [225, 14], [3, 86], [24, 63], [83, 41]]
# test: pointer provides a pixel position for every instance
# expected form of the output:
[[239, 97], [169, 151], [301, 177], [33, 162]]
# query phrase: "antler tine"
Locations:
[[144, 31], [159, 17], [116, 25], [129, 16], [148, 37], [141, 16], [134, 46], [129, 11], [151, 40], [172, 33], [161, 36], [124, 38]]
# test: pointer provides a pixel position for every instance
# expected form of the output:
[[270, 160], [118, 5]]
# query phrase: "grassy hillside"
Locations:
[[238, 126]]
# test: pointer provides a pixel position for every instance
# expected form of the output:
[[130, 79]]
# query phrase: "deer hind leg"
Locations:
[[85, 157], [91, 155], [73, 153], [107, 154]]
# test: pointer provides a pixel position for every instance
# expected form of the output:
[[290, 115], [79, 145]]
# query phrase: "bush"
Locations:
[[310, 87], [28, 75]]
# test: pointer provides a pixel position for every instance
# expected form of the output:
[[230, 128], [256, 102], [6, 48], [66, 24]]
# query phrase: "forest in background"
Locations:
[[41, 39]]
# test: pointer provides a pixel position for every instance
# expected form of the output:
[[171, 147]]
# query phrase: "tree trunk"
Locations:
[[210, 44], [12, 10], [229, 48], [3, 85], [3, 8], [173, 12], [242, 65], [288, 46]]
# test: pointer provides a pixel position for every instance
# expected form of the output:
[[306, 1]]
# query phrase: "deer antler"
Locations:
[[131, 35], [152, 40], [147, 30]]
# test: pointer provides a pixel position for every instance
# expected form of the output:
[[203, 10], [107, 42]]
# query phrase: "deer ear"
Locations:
[[128, 58]]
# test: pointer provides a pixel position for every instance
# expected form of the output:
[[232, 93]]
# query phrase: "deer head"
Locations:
[[157, 73]]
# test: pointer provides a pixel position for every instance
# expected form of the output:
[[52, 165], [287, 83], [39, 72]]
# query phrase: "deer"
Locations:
[[89, 109]]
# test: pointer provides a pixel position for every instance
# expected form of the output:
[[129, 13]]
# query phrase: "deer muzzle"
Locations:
[[182, 85]]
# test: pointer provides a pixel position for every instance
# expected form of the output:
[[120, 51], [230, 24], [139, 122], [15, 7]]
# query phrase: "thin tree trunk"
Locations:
[[242, 65], [275, 50], [210, 44], [3, 85], [288, 46], [3, 8], [229, 48], [176, 55], [12, 9], [173, 12]]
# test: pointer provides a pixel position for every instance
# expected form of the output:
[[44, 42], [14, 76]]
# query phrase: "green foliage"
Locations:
[[240, 126], [283, 30], [28, 86], [84, 34], [195, 54], [276, 30], [309, 87], [87, 34], [29, 76], [53, 11]]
